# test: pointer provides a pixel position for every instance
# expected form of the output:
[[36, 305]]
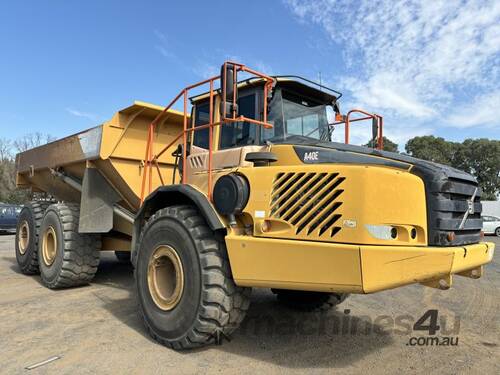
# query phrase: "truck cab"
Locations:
[[300, 111], [245, 189], [296, 109]]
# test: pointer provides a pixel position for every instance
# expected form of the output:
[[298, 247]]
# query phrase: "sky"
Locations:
[[429, 67]]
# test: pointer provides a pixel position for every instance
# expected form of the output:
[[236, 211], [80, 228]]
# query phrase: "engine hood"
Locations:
[[451, 194]]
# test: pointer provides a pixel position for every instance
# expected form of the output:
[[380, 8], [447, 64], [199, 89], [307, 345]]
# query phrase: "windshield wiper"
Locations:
[[293, 138], [324, 136]]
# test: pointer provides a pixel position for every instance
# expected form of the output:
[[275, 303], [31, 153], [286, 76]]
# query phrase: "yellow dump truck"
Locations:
[[243, 188]]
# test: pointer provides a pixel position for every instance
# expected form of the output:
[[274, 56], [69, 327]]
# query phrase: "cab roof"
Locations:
[[296, 83]]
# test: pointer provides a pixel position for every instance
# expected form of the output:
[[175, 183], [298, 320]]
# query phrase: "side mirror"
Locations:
[[374, 130], [330, 114], [229, 87]]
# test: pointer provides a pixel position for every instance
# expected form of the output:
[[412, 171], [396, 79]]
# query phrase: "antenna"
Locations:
[[320, 86]]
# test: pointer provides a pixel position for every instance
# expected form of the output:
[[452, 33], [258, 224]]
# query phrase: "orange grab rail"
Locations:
[[151, 160], [347, 121]]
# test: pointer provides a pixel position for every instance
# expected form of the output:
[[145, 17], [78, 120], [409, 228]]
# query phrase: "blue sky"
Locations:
[[428, 67]]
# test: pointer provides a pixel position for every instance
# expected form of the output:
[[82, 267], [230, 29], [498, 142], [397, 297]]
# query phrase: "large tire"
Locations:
[[309, 301], [66, 257], [27, 231], [203, 305]]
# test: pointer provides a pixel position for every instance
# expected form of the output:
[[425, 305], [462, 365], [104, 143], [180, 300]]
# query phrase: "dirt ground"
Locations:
[[96, 329]]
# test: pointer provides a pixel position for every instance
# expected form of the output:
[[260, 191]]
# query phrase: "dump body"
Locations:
[[115, 149]]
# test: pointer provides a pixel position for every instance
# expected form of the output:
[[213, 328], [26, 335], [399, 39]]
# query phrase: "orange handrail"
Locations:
[[151, 159], [347, 121]]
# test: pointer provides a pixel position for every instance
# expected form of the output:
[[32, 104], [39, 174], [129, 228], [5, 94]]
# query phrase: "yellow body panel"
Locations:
[[316, 266], [293, 264], [384, 269], [123, 145], [371, 195]]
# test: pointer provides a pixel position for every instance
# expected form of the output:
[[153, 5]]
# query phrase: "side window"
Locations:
[[202, 114], [241, 133], [486, 218]]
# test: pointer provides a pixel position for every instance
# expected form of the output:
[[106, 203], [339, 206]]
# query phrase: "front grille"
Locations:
[[448, 201], [309, 202]]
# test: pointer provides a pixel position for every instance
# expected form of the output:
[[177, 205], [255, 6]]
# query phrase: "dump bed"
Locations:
[[116, 149]]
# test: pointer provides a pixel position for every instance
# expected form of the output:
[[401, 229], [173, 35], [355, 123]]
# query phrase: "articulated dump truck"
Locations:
[[243, 189]]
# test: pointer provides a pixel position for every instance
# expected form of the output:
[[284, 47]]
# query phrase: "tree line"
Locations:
[[8, 149], [480, 157]]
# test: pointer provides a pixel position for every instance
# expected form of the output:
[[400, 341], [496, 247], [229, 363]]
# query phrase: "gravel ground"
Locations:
[[96, 329]]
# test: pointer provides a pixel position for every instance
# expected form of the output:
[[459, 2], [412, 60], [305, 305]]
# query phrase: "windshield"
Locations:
[[296, 118]]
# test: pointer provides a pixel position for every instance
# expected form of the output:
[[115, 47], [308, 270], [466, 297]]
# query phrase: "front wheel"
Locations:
[[497, 232], [185, 288]]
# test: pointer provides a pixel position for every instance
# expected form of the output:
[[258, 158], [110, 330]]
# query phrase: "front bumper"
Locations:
[[336, 267], [390, 267]]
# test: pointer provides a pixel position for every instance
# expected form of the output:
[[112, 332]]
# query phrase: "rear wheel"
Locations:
[[66, 257], [185, 288], [28, 228], [309, 301]]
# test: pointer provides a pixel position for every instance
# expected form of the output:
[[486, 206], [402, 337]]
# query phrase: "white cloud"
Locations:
[[482, 111], [87, 115], [400, 133], [386, 93], [164, 46], [205, 70], [413, 59]]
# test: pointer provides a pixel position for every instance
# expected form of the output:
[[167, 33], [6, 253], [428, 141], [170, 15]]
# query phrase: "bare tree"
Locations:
[[5, 149], [32, 140], [8, 191]]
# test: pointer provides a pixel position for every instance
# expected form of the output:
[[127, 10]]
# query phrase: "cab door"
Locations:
[[231, 142]]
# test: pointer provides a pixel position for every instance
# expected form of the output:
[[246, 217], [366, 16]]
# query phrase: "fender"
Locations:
[[165, 196]]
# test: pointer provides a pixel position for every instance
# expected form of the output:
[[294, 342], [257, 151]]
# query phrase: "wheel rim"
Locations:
[[165, 277], [49, 246], [24, 237]]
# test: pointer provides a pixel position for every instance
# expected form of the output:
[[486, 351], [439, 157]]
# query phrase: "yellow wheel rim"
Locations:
[[49, 246], [165, 277], [23, 237]]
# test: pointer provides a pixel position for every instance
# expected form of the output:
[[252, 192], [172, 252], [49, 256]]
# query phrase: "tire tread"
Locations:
[[223, 305], [38, 209], [81, 255]]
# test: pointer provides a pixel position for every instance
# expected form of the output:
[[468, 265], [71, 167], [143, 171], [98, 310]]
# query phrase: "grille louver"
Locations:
[[309, 202], [449, 201]]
